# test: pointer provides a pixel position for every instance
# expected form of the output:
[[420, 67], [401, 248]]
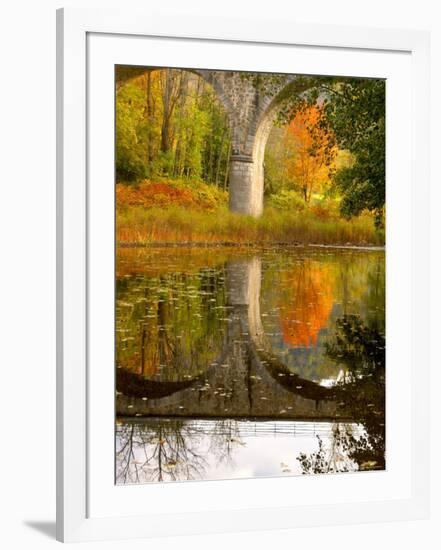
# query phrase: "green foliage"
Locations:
[[356, 109], [170, 124], [287, 199], [130, 127]]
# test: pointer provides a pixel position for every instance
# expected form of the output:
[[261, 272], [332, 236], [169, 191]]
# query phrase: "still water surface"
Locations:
[[234, 363]]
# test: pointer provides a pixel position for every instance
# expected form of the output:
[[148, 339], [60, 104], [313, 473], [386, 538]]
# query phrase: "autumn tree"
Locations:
[[311, 148], [355, 110]]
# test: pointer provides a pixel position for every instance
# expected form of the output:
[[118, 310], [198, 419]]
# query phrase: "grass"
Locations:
[[137, 224], [191, 212]]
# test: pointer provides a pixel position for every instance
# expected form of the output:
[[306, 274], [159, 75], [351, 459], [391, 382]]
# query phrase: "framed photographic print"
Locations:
[[242, 275]]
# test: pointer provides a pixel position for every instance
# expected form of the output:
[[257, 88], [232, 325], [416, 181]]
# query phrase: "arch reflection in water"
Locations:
[[211, 343]]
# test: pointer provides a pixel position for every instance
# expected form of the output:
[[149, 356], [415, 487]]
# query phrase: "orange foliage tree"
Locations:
[[312, 150]]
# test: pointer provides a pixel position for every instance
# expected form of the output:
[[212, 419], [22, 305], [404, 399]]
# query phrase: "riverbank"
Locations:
[[138, 225], [172, 212], [246, 246]]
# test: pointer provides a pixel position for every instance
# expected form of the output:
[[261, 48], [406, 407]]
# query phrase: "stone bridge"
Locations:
[[246, 381], [251, 110]]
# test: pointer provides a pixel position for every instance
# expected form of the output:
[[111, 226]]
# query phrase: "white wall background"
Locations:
[[27, 285]]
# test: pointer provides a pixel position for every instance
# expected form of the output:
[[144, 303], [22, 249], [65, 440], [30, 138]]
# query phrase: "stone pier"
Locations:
[[246, 191]]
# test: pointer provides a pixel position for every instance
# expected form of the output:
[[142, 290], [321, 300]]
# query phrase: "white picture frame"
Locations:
[[80, 223]]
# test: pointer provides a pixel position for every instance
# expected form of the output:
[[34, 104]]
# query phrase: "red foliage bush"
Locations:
[[149, 194]]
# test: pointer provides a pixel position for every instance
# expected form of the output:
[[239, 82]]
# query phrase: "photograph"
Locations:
[[250, 224], [227, 253]]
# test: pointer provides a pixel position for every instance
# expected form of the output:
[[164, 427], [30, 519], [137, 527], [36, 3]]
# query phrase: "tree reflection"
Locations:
[[331, 458], [158, 451], [225, 438], [307, 300], [170, 327], [172, 450], [360, 350]]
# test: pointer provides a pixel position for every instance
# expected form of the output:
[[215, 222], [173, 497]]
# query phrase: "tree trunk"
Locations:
[[170, 94], [227, 167], [219, 157], [149, 119]]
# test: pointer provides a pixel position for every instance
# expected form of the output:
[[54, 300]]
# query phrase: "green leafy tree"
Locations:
[[356, 110], [130, 126]]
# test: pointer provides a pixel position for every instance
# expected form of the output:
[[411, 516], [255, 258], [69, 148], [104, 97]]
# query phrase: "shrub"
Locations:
[[167, 194], [287, 200]]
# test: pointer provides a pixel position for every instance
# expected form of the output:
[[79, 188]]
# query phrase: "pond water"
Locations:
[[237, 362]]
